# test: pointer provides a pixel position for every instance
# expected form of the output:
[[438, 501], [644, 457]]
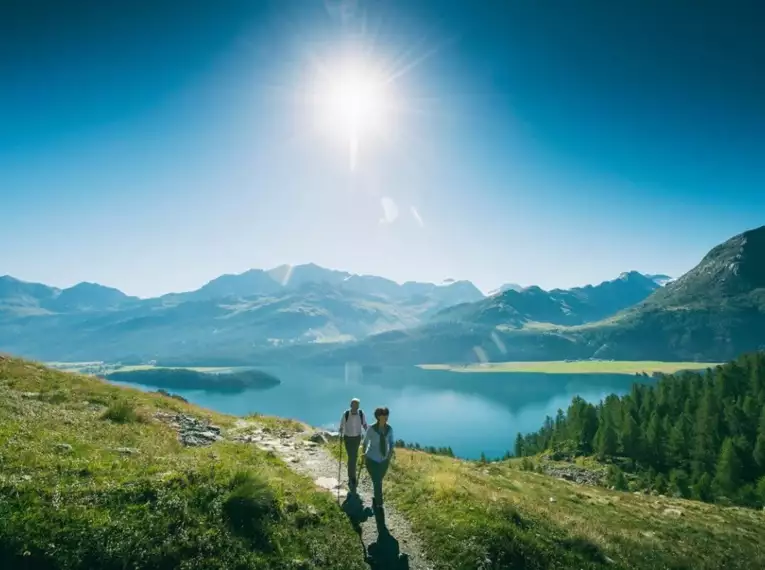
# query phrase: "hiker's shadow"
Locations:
[[385, 553], [357, 513]]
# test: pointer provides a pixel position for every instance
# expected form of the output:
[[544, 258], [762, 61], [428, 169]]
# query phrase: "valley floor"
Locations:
[[576, 367]]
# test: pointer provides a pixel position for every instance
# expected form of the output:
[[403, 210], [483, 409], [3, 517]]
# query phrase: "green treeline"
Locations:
[[184, 378], [694, 435], [447, 451]]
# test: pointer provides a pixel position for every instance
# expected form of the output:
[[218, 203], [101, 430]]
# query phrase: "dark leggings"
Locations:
[[376, 473], [352, 450]]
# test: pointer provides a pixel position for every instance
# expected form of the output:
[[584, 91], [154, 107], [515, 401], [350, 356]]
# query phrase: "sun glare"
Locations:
[[352, 103]]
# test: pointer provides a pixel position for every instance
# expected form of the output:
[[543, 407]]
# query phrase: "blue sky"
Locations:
[[152, 146]]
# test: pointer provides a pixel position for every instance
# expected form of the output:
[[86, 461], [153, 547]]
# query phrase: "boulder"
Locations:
[[318, 437]]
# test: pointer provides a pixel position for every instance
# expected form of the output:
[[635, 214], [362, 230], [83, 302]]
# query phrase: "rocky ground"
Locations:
[[191, 431], [574, 474]]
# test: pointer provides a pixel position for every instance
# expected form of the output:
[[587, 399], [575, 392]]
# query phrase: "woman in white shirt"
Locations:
[[378, 449]]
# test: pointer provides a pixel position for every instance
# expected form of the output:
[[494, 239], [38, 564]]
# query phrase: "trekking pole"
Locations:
[[339, 467]]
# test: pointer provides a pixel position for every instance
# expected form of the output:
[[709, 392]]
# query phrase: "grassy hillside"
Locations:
[[496, 516], [89, 478]]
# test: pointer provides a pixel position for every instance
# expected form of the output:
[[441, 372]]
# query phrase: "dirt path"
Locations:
[[388, 540]]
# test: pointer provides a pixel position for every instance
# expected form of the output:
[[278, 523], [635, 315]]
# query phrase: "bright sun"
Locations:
[[352, 102]]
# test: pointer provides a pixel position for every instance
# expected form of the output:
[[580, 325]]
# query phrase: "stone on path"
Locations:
[[318, 437], [329, 483]]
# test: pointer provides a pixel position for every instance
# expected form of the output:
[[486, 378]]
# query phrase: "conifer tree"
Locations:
[[606, 440], [654, 441], [702, 434], [519, 445], [630, 437], [728, 473], [759, 446]]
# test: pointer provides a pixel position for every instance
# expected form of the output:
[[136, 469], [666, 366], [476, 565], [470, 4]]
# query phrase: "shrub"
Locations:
[[527, 464], [121, 412], [250, 507], [615, 477]]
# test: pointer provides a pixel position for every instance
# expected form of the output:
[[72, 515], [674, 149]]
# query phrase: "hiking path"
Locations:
[[387, 539]]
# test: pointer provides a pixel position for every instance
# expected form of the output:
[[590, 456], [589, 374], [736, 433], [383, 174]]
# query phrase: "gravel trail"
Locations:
[[387, 540]]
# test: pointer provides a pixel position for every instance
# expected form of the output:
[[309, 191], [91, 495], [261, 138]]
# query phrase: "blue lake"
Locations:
[[471, 412]]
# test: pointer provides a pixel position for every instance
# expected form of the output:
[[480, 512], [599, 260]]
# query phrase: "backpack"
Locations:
[[361, 415]]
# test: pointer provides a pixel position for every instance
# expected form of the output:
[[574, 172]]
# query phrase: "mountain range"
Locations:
[[714, 312], [259, 314], [232, 314], [311, 314]]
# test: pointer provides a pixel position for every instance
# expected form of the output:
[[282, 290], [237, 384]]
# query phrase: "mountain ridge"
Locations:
[[714, 312], [244, 317]]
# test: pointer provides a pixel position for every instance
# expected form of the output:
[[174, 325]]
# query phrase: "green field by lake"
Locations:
[[576, 367]]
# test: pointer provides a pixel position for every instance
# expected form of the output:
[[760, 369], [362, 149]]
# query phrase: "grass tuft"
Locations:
[[251, 507], [122, 412]]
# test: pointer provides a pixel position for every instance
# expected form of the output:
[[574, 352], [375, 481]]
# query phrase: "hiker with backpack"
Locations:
[[352, 426], [378, 450]]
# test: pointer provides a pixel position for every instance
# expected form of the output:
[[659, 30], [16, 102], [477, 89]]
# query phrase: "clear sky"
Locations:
[[153, 145]]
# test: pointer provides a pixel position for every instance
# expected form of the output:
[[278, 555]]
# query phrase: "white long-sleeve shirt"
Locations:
[[371, 445], [354, 427]]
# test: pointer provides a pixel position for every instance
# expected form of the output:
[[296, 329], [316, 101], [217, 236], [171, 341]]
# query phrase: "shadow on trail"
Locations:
[[357, 513], [384, 554]]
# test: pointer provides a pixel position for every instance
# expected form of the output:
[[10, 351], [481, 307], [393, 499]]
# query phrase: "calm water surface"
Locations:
[[471, 412]]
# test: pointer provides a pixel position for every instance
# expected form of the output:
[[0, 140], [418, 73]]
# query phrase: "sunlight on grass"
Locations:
[[90, 478], [517, 517]]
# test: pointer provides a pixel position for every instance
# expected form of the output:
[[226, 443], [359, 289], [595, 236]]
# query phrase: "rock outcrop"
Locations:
[[192, 432]]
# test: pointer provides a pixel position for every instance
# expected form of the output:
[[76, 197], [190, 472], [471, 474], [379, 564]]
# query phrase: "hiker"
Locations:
[[352, 426], [378, 449]]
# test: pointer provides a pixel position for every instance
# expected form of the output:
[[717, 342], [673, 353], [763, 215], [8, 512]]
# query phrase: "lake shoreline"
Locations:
[[574, 367]]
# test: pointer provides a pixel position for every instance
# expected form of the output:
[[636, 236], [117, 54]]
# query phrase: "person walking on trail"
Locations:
[[378, 450], [352, 426]]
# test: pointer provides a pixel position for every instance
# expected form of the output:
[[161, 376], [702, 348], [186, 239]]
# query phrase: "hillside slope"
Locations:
[[91, 477], [497, 516], [716, 311]]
